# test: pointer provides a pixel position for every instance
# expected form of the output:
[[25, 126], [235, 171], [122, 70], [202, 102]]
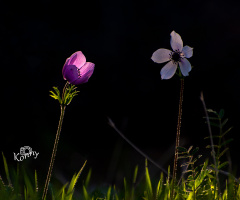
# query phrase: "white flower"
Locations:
[[176, 57]]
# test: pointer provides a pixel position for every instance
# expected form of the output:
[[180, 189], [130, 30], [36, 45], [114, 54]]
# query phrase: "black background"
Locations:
[[36, 37]]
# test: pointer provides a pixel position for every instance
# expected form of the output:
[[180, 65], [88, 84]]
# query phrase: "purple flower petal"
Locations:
[[161, 55], [71, 73], [86, 72], [187, 51], [176, 41], [77, 59], [185, 66], [168, 70]]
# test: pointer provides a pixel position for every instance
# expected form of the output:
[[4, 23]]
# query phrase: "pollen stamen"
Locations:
[[79, 73]]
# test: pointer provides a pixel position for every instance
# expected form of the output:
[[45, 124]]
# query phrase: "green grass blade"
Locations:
[[190, 196], [109, 193], [115, 192], [36, 181], [25, 193], [29, 187], [225, 193], [88, 178], [125, 188], [135, 174], [61, 191], [6, 169], [148, 181], [159, 187], [85, 193], [74, 180], [71, 187]]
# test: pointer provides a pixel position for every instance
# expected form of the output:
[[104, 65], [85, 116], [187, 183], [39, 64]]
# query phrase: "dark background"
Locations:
[[36, 37]]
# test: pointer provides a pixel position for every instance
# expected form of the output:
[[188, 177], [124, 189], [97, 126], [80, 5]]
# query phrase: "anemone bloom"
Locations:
[[176, 57], [76, 70]]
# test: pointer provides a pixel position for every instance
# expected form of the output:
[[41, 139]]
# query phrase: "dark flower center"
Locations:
[[176, 56]]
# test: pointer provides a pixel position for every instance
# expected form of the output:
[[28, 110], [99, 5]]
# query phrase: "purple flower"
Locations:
[[76, 70], [176, 57]]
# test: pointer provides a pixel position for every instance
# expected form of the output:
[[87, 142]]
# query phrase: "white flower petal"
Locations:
[[168, 70], [185, 66], [176, 41], [161, 55], [187, 51]]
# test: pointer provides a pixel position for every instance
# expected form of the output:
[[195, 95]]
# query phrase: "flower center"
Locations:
[[176, 56]]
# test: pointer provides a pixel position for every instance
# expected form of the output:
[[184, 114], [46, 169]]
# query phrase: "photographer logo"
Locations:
[[25, 152]]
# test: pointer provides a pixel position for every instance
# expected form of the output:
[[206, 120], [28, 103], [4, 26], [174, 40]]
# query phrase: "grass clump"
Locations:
[[197, 183], [209, 180]]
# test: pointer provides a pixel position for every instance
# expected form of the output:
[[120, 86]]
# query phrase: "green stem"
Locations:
[[63, 93], [177, 137], [54, 152]]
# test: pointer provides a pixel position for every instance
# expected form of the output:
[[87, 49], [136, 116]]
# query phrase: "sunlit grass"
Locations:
[[198, 181]]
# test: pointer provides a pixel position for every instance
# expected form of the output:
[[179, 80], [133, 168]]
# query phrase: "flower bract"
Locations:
[[177, 57]]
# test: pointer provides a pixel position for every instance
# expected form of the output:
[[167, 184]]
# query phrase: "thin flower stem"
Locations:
[[177, 136], [54, 152]]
